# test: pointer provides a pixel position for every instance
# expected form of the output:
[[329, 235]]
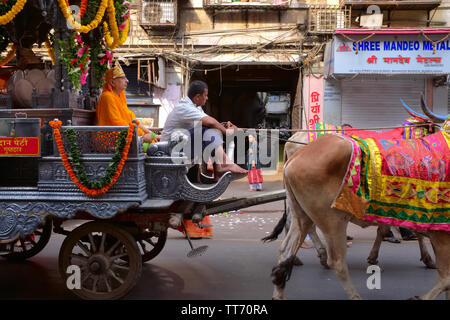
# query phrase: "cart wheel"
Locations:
[[108, 258], [151, 243], [30, 245]]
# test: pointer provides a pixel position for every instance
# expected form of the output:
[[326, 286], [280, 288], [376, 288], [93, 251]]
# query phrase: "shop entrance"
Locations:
[[252, 96], [240, 93]]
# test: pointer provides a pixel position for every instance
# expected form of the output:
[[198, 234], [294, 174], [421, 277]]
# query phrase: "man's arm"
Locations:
[[144, 128], [210, 122]]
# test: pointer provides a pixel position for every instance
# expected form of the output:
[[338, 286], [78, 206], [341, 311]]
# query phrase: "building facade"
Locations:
[[267, 62], [393, 50]]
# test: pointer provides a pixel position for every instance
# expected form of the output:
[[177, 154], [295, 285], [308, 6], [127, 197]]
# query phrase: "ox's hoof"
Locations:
[[297, 261], [428, 261], [323, 258]]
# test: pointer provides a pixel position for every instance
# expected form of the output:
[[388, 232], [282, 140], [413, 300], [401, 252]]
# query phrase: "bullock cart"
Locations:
[[126, 226], [47, 178]]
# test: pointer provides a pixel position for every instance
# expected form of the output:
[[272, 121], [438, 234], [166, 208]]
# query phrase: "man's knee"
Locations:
[[204, 140]]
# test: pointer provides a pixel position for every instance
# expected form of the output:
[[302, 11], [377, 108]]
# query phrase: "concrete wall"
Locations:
[[442, 16], [169, 97]]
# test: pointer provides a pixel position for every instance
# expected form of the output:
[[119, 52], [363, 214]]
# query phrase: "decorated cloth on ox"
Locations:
[[408, 131], [402, 182], [319, 129]]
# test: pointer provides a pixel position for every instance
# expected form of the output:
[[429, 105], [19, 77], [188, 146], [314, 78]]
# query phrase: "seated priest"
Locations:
[[112, 107]]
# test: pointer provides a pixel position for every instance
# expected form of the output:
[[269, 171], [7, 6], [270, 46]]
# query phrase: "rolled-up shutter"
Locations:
[[371, 103], [448, 108]]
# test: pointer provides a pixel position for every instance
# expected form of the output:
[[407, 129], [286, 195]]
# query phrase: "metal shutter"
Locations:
[[448, 108], [371, 103]]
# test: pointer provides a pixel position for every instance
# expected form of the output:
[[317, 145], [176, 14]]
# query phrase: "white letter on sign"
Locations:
[[374, 281], [74, 280]]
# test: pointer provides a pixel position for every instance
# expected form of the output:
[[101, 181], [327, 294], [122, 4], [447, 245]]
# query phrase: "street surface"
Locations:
[[237, 264]]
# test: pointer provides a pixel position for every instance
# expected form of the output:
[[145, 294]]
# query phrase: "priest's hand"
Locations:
[[149, 137]]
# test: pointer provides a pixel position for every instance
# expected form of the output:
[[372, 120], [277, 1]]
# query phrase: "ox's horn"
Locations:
[[414, 113], [429, 113]]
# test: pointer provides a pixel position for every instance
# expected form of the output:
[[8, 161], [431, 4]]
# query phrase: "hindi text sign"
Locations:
[[19, 146]]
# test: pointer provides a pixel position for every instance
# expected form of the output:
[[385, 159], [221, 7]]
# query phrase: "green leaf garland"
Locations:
[[79, 167]]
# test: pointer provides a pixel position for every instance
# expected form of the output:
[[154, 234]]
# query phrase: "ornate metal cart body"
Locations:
[[128, 224]]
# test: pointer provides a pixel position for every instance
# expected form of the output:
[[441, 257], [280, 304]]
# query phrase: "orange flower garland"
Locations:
[[83, 8], [92, 192]]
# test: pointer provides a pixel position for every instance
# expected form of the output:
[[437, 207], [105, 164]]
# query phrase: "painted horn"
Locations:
[[429, 113], [414, 113]]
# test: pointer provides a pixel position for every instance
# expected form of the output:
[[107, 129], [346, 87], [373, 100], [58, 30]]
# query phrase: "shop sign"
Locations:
[[313, 98], [19, 146], [406, 53]]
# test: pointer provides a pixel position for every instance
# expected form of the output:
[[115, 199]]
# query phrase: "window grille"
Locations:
[[326, 19]]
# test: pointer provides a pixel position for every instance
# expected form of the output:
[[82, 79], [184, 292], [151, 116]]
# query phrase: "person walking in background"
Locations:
[[255, 178]]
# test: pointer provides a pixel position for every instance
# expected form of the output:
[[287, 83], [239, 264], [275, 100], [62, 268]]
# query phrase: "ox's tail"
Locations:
[[277, 230], [282, 222]]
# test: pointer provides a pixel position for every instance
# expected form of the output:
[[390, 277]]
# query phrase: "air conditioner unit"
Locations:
[[158, 12]]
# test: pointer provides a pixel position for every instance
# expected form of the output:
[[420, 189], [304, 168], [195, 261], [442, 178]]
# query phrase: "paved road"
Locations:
[[236, 266]]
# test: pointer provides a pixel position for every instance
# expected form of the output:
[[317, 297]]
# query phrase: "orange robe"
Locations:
[[112, 110]]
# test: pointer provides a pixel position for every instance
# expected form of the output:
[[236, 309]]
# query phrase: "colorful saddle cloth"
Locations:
[[319, 129], [402, 182], [406, 132]]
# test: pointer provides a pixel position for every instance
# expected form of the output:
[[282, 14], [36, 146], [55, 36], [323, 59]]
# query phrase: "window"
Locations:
[[326, 19]]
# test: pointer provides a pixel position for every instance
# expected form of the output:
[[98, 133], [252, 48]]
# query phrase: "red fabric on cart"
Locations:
[[194, 231]]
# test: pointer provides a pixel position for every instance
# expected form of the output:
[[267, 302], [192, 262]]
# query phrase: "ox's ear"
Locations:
[[435, 117], [414, 113]]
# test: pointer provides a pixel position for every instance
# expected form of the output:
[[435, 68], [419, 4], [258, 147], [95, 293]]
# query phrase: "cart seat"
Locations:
[[167, 178]]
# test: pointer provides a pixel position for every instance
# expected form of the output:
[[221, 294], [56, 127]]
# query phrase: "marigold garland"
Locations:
[[121, 38], [117, 38], [77, 26], [123, 154], [11, 14], [113, 23], [83, 8], [107, 35], [11, 54]]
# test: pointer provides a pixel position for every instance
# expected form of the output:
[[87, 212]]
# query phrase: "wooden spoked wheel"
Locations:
[[151, 243], [108, 259], [30, 245]]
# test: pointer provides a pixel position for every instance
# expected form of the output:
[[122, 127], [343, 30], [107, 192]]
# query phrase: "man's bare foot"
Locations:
[[232, 167], [306, 246]]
